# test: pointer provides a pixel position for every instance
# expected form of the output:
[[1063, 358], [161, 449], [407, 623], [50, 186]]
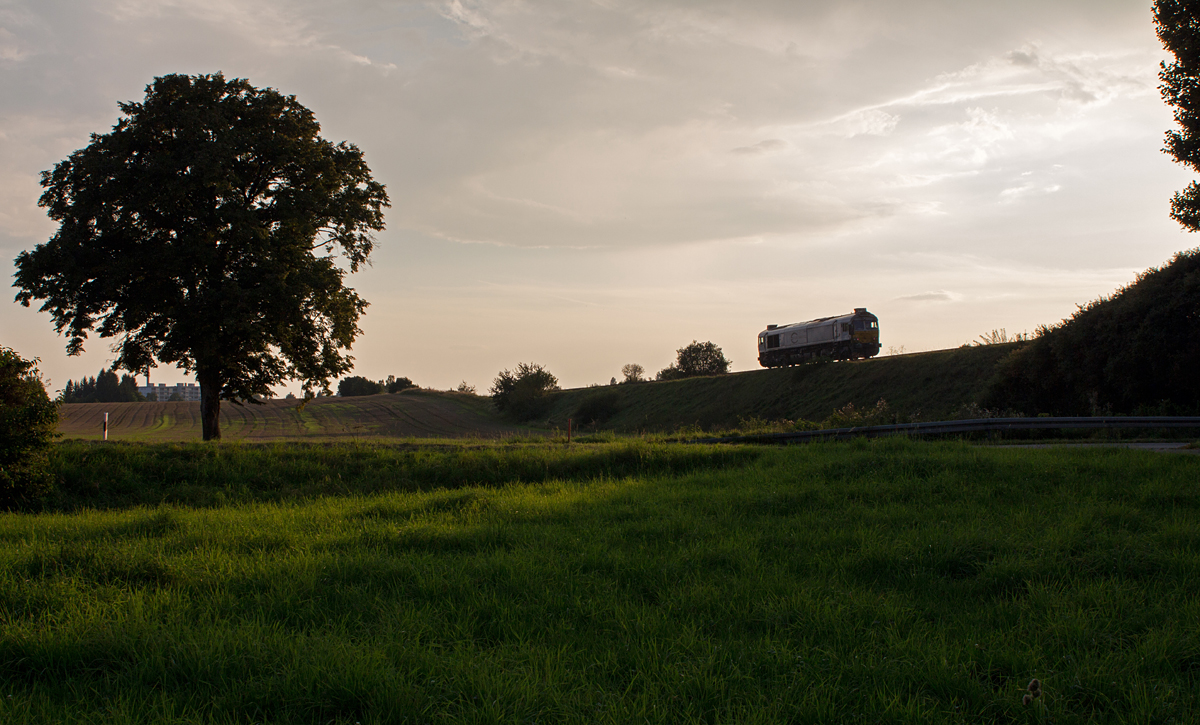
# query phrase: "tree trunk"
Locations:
[[210, 406]]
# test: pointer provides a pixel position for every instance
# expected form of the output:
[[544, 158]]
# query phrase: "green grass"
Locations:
[[923, 386], [870, 581]]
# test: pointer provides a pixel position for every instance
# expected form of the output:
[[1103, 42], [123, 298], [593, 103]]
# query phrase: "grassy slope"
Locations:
[[931, 385], [412, 413], [874, 581]]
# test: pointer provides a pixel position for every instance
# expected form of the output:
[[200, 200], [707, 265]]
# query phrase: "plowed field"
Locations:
[[411, 414]]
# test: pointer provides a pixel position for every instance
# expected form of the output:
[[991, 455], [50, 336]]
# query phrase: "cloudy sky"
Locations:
[[587, 184]]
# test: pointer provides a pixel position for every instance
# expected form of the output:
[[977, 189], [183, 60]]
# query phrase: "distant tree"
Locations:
[[464, 388], [697, 358], [520, 393], [27, 428], [191, 231], [394, 384], [356, 385], [1178, 26], [633, 373]]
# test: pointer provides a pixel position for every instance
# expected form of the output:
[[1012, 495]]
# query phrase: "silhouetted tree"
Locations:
[[27, 428], [520, 393], [1178, 26], [633, 373], [695, 359], [356, 385], [190, 231]]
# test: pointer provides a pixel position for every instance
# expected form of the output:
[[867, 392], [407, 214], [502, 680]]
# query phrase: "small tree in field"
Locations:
[[204, 231], [27, 422], [698, 358], [520, 393], [633, 373]]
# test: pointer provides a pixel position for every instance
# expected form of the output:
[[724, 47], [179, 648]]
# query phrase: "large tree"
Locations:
[[1178, 25], [206, 230]]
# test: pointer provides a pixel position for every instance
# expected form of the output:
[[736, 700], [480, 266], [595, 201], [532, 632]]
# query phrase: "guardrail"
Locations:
[[978, 425]]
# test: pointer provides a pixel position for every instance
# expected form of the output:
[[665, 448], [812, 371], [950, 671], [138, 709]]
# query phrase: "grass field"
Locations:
[[412, 413], [871, 581]]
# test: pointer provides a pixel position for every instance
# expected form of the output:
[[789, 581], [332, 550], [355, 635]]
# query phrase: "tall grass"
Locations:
[[99, 475], [870, 581]]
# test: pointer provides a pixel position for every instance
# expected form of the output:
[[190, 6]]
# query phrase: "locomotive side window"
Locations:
[[772, 341]]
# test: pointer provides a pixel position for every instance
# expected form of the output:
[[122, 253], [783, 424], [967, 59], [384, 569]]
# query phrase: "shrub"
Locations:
[[850, 417], [356, 385], [596, 409], [464, 388], [27, 421], [522, 393], [698, 358], [1135, 352], [394, 384]]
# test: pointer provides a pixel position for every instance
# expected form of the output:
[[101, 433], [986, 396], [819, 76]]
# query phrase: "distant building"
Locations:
[[162, 392]]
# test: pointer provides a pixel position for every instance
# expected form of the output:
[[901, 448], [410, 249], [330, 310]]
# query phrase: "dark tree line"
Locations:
[[104, 388], [1136, 352], [357, 385]]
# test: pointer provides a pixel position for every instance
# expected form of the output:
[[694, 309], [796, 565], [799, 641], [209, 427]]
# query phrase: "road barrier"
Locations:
[[977, 425]]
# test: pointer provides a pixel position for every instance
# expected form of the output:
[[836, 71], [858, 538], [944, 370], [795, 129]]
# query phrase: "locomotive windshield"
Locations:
[[865, 324]]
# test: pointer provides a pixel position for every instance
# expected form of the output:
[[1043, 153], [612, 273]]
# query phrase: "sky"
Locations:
[[588, 184]]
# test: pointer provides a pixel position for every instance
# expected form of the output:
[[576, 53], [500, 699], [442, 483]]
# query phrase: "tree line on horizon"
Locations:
[[104, 387]]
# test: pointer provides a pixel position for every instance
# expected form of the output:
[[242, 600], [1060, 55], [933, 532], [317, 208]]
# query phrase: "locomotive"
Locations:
[[844, 337]]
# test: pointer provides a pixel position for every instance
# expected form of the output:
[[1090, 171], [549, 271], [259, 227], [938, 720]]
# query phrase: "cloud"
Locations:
[[935, 296], [762, 147]]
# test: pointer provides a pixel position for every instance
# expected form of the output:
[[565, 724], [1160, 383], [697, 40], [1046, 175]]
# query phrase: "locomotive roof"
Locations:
[[857, 313]]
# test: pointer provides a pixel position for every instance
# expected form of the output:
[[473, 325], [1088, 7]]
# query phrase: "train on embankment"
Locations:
[[843, 337]]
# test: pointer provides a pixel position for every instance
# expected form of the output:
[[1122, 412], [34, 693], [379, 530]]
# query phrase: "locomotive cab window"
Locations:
[[772, 340]]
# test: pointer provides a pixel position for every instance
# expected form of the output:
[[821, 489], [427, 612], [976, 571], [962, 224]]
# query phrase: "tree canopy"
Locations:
[[357, 385], [695, 359], [1178, 26], [521, 393], [205, 230], [28, 420]]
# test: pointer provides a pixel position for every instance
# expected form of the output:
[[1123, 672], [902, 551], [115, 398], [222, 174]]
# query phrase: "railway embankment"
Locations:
[[919, 386]]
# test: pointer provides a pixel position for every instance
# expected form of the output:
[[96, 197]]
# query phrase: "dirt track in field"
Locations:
[[412, 414]]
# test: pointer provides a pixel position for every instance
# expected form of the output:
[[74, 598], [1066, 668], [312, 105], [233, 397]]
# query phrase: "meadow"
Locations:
[[882, 581]]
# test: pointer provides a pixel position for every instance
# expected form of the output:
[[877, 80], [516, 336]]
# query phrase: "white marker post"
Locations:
[[106, 426]]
